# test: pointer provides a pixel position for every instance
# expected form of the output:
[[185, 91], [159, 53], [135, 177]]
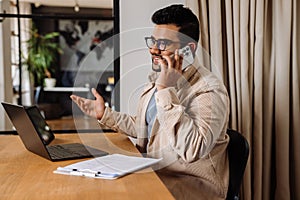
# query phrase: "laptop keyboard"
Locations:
[[68, 151]]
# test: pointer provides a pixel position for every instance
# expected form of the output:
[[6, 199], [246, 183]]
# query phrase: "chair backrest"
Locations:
[[238, 153]]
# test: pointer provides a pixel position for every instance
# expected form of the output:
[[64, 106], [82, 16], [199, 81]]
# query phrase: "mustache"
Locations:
[[156, 55], [160, 56]]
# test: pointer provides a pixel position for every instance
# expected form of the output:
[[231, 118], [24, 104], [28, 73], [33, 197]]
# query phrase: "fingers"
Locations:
[[75, 98], [95, 93], [98, 97], [80, 101], [173, 61], [178, 60]]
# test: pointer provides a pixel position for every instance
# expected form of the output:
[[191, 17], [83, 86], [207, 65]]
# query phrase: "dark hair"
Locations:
[[182, 17]]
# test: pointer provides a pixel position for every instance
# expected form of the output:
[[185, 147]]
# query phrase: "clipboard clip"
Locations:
[[81, 172]]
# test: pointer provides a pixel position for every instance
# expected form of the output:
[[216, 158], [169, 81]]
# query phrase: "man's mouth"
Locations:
[[156, 59]]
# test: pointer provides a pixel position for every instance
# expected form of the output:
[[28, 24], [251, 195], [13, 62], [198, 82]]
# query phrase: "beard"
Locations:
[[156, 67], [155, 62]]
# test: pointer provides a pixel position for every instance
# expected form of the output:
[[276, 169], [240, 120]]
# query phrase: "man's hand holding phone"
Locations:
[[170, 71], [187, 55], [171, 67]]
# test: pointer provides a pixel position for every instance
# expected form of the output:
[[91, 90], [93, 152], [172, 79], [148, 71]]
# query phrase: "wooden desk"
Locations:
[[24, 175]]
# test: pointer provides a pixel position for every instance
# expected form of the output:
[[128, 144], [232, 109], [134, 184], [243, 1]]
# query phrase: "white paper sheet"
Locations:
[[107, 167]]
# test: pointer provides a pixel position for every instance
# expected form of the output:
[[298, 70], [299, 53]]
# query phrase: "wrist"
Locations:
[[100, 114], [159, 87]]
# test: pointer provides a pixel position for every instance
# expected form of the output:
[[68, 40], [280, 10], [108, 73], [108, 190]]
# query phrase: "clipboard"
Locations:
[[108, 167]]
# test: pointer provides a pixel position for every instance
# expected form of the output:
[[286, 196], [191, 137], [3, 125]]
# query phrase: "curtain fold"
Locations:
[[264, 163], [281, 46], [258, 53], [254, 48], [295, 84]]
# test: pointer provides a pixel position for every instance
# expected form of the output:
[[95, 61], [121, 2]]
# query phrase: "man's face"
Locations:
[[168, 32]]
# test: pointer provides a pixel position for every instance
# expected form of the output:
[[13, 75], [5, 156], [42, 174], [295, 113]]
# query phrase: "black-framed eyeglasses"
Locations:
[[161, 44]]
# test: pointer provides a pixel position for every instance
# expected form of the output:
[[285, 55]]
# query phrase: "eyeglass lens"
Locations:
[[160, 44]]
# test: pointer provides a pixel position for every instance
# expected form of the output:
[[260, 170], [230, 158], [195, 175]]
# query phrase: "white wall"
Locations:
[[135, 60]]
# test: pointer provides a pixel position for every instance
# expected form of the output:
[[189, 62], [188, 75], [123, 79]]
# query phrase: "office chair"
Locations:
[[238, 153]]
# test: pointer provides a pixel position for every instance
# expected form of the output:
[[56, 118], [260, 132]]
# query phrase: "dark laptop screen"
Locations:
[[40, 124]]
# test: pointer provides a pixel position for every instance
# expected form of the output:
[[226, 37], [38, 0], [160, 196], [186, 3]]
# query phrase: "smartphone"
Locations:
[[188, 58]]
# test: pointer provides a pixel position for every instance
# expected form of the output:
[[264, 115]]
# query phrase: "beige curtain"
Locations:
[[255, 48]]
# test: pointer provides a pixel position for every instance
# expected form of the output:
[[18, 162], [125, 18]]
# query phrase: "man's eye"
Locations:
[[162, 42], [152, 41]]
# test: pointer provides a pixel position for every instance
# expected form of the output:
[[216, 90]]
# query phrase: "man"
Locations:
[[182, 114]]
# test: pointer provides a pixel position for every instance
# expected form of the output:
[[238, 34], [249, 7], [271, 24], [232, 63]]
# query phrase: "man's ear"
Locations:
[[193, 46]]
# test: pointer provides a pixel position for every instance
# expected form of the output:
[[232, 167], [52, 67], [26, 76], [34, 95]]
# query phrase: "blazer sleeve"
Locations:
[[119, 122]]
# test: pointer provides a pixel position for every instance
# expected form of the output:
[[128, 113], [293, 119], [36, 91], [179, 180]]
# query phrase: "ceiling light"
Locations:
[[37, 4], [76, 7]]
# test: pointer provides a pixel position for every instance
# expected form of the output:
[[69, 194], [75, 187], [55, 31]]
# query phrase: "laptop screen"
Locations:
[[40, 124]]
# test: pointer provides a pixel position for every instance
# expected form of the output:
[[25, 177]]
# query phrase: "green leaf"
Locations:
[[42, 53]]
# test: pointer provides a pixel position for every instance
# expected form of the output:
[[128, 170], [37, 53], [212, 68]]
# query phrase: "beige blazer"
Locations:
[[189, 133]]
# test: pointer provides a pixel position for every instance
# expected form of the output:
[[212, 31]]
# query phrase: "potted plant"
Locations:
[[42, 54]]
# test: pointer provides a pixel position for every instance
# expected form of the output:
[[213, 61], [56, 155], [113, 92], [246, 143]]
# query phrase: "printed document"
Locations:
[[107, 167]]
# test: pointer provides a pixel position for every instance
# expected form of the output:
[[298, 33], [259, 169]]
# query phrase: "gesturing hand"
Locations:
[[94, 108]]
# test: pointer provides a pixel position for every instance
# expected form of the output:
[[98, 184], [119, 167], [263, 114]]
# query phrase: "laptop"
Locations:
[[36, 135]]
